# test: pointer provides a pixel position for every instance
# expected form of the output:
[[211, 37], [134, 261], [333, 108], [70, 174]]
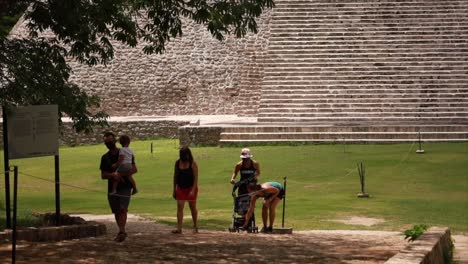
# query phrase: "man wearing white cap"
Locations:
[[249, 170]]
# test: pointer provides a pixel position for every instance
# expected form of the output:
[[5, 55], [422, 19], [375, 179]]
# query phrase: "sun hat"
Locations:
[[245, 153]]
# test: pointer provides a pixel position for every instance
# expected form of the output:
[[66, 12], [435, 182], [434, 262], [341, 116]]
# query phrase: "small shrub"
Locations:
[[413, 233]]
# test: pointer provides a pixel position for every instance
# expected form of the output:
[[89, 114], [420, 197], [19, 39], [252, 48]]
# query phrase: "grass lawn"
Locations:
[[406, 188]]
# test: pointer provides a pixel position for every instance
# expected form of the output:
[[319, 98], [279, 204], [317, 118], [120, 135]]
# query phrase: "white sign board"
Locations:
[[33, 131]]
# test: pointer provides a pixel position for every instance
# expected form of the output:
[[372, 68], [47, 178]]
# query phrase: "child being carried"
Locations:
[[124, 164]]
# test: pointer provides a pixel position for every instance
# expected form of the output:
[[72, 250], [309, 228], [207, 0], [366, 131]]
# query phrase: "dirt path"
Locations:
[[151, 242]]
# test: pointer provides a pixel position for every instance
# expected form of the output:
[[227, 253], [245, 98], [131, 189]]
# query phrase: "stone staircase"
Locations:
[[363, 71]]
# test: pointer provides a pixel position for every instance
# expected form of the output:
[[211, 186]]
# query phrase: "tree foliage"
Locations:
[[34, 70]]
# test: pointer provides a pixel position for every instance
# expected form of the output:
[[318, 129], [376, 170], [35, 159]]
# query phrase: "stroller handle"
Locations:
[[239, 183]]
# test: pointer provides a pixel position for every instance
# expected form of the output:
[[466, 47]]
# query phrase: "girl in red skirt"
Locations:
[[185, 187]]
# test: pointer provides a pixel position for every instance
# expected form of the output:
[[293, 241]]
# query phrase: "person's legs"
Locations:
[[122, 220], [114, 186], [194, 211], [273, 212], [180, 214], [119, 205], [264, 217], [133, 182]]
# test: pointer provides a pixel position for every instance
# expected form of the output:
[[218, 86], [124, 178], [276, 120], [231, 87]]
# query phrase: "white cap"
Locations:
[[245, 153]]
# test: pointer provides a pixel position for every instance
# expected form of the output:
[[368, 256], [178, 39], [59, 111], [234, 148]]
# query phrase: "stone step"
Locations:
[[364, 82], [324, 90], [293, 44], [370, 88], [403, 15], [345, 135], [378, 57], [351, 33], [361, 64], [337, 140], [366, 119], [367, 8], [415, 87], [369, 100], [365, 95], [362, 7], [357, 105], [374, 21], [400, 63], [366, 78], [339, 129], [370, 11], [459, 29], [369, 36], [360, 72], [351, 114], [370, 24], [301, 110], [307, 51], [370, 67]]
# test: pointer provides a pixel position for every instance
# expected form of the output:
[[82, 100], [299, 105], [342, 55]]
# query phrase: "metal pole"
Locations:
[[284, 202], [57, 190], [419, 133], [7, 168], [15, 210]]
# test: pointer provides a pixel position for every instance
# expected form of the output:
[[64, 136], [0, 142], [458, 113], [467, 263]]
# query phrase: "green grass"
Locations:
[[406, 188]]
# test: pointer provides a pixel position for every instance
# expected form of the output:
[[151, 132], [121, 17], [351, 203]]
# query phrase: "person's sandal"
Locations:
[[195, 230], [120, 237], [177, 231]]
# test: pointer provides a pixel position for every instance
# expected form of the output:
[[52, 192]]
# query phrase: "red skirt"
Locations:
[[183, 194]]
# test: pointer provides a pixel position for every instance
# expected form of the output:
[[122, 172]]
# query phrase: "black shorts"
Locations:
[[120, 201], [281, 194]]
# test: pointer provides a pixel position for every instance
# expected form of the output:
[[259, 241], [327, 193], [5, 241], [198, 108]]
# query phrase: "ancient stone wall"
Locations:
[[196, 75], [199, 136], [136, 130]]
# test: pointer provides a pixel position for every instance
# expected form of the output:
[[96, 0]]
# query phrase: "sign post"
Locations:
[[15, 212], [6, 164], [33, 132]]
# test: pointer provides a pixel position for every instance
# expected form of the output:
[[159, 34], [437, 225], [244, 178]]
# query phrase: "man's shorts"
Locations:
[[120, 201]]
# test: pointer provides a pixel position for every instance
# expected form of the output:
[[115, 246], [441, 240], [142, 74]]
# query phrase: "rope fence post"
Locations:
[[284, 202], [15, 210]]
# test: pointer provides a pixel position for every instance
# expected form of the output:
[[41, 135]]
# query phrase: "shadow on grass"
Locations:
[[24, 218]]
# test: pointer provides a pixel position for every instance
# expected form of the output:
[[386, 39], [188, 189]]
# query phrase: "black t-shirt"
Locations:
[[106, 166], [184, 177]]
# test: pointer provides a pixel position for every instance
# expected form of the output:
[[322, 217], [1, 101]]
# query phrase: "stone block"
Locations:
[[282, 230], [435, 246], [28, 234]]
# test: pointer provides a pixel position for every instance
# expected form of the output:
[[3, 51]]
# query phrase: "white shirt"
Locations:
[[127, 153]]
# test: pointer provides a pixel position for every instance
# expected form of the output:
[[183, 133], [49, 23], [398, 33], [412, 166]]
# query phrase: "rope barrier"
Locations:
[[79, 187], [394, 167]]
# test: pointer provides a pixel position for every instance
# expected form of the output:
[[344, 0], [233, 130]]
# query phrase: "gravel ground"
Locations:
[[151, 242]]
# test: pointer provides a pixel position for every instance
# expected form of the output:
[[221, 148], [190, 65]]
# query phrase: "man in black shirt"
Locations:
[[118, 202]]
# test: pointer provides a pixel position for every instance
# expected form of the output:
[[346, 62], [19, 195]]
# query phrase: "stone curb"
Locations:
[[434, 246], [56, 233]]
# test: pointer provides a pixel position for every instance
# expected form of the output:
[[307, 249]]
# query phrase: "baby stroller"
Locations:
[[241, 206]]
